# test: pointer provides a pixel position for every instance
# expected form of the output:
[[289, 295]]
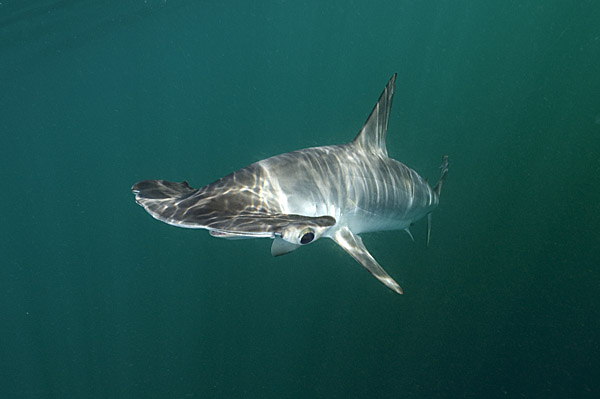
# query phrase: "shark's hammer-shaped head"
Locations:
[[300, 233]]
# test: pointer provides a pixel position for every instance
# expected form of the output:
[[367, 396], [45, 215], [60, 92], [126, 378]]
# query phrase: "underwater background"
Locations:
[[99, 300]]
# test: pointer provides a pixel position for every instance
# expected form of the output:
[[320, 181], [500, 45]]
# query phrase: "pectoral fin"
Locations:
[[353, 244], [282, 247]]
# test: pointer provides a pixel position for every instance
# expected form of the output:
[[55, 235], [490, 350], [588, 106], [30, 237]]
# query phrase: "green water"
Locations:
[[99, 300]]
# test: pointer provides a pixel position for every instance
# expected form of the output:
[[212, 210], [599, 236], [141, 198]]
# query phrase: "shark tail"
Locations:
[[438, 189], [443, 174]]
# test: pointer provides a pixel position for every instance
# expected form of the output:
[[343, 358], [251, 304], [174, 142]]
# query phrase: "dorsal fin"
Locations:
[[372, 135]]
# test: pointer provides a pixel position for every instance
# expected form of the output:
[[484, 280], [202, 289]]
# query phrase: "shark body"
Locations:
[[298, 197]]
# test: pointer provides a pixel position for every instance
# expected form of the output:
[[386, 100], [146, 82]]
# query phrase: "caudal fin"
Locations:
[[438, 189], [443, 173]]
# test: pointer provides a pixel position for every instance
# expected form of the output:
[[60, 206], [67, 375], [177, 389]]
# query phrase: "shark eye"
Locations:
[[307, 237]]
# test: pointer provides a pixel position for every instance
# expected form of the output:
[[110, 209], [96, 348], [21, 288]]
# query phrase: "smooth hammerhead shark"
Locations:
[[336, 191]]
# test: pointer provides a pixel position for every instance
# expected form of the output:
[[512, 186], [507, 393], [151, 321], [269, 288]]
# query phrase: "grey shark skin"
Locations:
[[295, 198]]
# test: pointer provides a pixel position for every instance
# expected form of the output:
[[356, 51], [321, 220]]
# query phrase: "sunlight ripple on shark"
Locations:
[[296, 198]]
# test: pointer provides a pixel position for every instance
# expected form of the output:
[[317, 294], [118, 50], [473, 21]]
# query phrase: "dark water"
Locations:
[[99, 300]]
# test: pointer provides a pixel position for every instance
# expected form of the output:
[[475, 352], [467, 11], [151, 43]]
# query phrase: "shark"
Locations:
[[295, 198]]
